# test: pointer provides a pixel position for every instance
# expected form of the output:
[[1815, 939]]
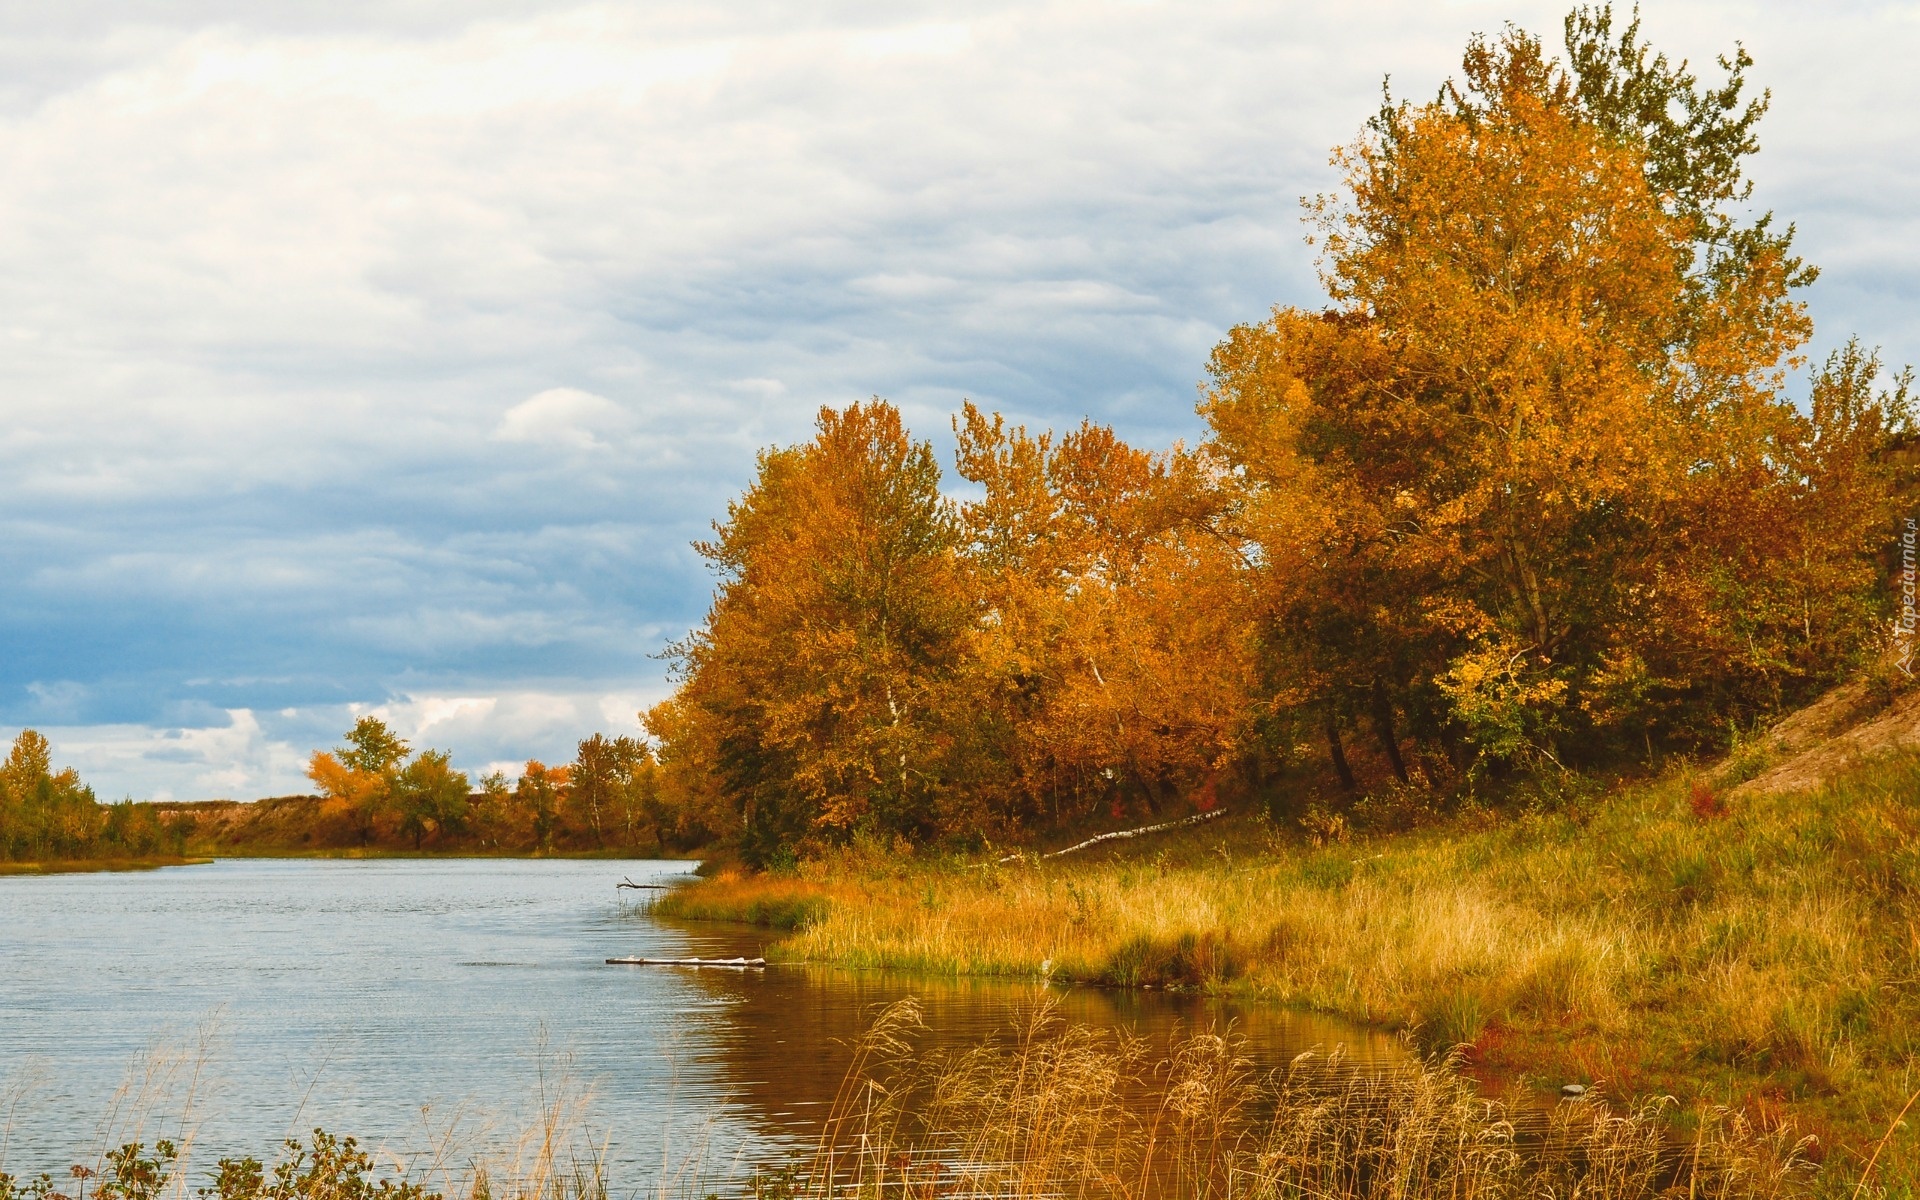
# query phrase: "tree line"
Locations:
[[51, 816], [1530, 491], [376, 790]]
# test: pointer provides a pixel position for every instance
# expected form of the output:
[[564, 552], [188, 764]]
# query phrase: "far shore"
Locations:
[[95, 865], [76, 866]]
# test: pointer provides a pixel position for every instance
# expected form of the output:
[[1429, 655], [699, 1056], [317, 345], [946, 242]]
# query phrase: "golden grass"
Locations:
[[1057, 1110], [1767, 959]]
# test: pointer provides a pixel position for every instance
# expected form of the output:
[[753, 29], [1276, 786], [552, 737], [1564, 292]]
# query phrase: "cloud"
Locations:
[[561, 417], [359, 352], [235, 759], [57, 700]]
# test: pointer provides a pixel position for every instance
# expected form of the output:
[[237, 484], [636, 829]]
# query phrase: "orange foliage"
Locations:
[[1529, 489]]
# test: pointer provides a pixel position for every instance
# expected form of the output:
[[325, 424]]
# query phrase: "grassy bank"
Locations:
[[1759, 953], [71, 866]]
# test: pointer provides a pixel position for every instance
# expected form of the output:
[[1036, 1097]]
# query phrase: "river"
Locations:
[[248, 1000]]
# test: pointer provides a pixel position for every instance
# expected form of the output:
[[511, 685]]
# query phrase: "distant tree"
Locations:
[[492, 816], [595, 778], [44, 813], [373, 748], [377, 781], [29, 762], [431, 796], [638, 786], [539, 795], [613, 790]]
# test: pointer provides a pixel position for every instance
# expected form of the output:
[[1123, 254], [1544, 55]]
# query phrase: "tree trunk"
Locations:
[[1383, 725], [1339, 753]]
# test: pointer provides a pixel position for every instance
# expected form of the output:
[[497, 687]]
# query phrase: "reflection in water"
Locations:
[[351, 994], [783, 1048]]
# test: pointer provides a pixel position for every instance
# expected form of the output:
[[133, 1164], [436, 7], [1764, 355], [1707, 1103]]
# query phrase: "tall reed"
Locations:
[[1053, 1109]]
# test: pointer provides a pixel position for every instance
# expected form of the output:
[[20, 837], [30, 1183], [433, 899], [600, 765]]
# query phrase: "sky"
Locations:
[[386, 357]]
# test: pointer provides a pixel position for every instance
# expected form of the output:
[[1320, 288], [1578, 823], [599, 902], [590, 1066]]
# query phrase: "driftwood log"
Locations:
[[642, 887], [1120, 834], [688, 962]]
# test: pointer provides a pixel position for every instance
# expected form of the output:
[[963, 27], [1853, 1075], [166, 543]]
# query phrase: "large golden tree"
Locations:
[[1499, 483], [818, 690]]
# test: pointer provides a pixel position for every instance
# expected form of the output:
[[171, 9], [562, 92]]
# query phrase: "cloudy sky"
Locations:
[[386, 356]]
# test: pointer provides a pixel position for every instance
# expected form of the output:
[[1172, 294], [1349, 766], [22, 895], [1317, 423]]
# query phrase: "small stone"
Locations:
[[1573, 1091]]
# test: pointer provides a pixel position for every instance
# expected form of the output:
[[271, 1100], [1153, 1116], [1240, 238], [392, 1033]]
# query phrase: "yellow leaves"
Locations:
[[336, 781], [1118, 600], [881, 658], [537, 774], [820, 675], [1521, 265], [1526, 410], [1500, 692], [28, 762]]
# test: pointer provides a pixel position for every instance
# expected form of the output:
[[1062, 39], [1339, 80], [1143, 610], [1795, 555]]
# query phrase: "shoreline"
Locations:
[[1750, 954], [85, 866], [88, 866]]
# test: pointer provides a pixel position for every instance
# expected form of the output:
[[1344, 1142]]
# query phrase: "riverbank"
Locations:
[[74, 866], [1663, 939], [315, 827]]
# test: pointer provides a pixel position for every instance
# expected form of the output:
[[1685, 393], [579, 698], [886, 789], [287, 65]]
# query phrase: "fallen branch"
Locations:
[[642, 887], [687, 962], [1119, 834]]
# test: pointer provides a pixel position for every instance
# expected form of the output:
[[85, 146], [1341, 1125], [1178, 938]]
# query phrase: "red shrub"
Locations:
[[1707, 804]]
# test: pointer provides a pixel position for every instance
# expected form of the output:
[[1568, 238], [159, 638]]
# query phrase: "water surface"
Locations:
[[388, 998]]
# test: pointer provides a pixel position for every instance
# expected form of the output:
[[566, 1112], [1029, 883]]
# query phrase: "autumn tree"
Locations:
[[1529, 488], [821, 676], [1491, 482], [614, 791], [688, 793], [376, 779], [44, 813], [596, 784], [1114, 639], [539, 795], [359, 777], [430, 796]]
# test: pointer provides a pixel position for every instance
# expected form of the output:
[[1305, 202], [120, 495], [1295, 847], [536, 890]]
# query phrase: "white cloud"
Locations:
[[58, 700], [238, 760], [916, 40], [562, 417]]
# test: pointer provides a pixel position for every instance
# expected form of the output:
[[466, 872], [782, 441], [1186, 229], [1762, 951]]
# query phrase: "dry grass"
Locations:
[[1056, 1110], [770, 901], [1765, 959]]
